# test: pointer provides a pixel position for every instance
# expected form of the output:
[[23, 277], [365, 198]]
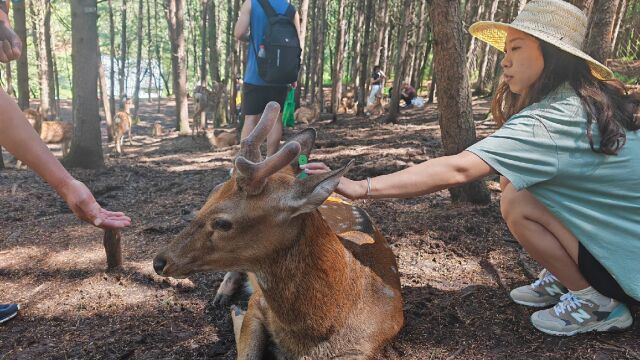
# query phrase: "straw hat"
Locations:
[[554, 21]]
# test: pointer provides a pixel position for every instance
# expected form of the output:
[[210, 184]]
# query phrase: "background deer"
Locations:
[[220, 138], [318, 293], [51, 132], [306, 114], [205, 101], [122, 123]]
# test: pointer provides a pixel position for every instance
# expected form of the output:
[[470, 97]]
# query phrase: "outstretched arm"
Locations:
[[430, 176]]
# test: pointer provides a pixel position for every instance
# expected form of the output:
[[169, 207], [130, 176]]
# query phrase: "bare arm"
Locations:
[[430, 176], [241, 30], [296, 22]]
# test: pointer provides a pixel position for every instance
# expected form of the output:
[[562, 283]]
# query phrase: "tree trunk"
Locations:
[[175, 20], [113, 247], [104, 96], [136, 91], [53, 105], [152, 77], [10, 90], [304, 16], [364, 57], [359, 41], [423, 27], [43, 68], [425, 59], [336, 92], [20, 23], [112, 59], [123, 51], [454, 98], [214, 53], [601, 31], [622, 9], [485, 64], [86, 147], [400, 66]]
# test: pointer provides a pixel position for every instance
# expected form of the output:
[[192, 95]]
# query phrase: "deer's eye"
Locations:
[[222, 225]]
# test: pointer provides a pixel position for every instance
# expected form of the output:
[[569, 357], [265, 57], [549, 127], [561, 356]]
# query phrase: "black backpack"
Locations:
[[280, 62]]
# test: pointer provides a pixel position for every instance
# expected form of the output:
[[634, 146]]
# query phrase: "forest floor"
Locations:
[[457, 262]]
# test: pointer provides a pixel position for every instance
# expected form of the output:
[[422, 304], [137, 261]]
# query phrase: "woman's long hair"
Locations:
[[608, 102]]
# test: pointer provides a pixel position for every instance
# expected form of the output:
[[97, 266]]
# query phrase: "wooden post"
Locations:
[[113, 249]]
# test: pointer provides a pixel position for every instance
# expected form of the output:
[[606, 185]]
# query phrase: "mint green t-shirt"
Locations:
[[545, 149]]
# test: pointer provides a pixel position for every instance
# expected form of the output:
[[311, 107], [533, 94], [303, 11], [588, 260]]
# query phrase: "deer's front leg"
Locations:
[[252, 340]]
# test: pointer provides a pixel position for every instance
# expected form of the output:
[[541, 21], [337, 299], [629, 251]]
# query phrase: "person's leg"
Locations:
[[274, 137], [549, 242], [250, 122]]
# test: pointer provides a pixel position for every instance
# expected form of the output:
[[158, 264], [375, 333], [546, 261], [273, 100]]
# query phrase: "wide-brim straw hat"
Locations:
[[554, 21]]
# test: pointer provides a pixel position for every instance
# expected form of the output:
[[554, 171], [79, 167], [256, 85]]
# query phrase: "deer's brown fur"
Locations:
[[51, 132], [122, 124], [157, 129], [319, 293], [219, 138], [307, 114], [205, 100]]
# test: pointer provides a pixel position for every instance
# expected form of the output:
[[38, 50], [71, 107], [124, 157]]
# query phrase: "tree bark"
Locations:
[[43, 61], [53, 104], [136, 91], [20, 26], [338, 65], [112, 59], [104, 96], [601, 31], [112, 246], [454, 98], [304, 16], [364, 57], [123, 51], [86, 147], [622, 9], [400, 67], [175, 20], [214, 52]]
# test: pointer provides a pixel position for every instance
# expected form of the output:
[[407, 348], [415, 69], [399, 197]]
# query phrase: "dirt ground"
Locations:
[[457, 262]]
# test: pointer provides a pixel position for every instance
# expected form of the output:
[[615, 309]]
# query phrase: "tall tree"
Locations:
[[20, 24], [175, 20], [454, 98], [364, 56], [123, 50], [104, 96], [86, 147], [40, 9], [336, 92], [601, 29], [304, 16], [400, 66], [48, 35], [112, 58], [136, 91], [214, 52]]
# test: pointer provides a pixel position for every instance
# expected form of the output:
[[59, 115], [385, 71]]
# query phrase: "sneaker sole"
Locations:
[[10, 316], [613, 325], [535, 305]]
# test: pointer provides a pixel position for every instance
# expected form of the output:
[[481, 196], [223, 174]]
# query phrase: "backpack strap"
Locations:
[[268, 9], [290, 12]]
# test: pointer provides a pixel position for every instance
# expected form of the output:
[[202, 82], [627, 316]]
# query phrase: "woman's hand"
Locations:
[[347, 187], [85, 207]]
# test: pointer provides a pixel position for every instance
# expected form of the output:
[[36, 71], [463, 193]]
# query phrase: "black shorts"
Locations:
[[255, 98], [599, 278]]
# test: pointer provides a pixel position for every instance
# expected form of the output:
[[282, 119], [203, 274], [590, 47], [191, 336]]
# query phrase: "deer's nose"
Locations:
[[158, 264]]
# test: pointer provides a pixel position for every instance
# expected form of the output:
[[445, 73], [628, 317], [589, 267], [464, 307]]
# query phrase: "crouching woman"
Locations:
[[568, 152]]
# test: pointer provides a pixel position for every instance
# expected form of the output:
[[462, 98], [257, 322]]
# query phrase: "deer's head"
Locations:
[[257, 212]]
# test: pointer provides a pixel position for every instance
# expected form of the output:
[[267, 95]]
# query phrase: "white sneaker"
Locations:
[[545, 291]]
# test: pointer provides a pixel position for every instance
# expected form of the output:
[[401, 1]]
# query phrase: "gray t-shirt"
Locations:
[[545, 149]]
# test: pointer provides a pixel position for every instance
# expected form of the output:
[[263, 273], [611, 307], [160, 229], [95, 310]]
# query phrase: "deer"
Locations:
[[157, 129], [51, 132], [378, 107], [325, 282], [220, 138], [205, 100], [306, 114], [122, 123]]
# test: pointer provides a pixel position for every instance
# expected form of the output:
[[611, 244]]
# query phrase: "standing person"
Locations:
[[377, 82], [568, 152], [20, 139], [257, 92], [407, 93]]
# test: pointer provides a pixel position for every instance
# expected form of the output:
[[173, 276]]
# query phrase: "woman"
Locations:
[[568, 152], [19, 138]]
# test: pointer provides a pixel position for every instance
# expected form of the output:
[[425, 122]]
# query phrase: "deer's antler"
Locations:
[[252, 170]]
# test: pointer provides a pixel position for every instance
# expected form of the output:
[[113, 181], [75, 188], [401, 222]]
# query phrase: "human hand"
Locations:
[[347, 187], [86, 208], [294, 84], [10, 44]]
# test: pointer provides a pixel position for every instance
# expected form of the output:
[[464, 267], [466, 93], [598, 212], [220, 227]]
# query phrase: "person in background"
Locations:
[[568, 154], [407, 93], [20, 139], [377, 82], [256, 92]]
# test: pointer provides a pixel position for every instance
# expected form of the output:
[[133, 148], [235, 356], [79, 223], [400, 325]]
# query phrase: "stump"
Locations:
[[113, 249]]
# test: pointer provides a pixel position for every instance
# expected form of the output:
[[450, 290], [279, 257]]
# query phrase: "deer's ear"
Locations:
[[309, 193]]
